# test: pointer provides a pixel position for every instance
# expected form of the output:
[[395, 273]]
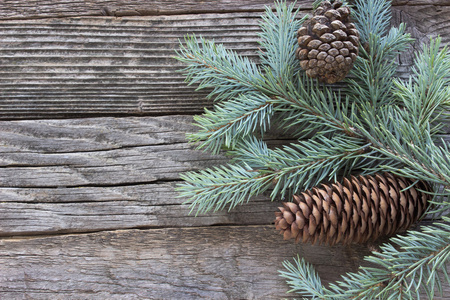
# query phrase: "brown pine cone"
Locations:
[[328, 43], [359, 210]]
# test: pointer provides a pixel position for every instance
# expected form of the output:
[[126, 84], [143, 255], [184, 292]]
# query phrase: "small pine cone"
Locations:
[[362, 209], [328, 43]]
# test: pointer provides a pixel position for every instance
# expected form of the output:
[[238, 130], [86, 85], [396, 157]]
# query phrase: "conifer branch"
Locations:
[[215, 188], [404, 134], [212, 66], [403, 267], [426, 95], [372, 18], [379, 124], [310, 108], [303, 279], [231, 121], [301, 166], [257, 168], [277, 30], [401, 270], [371, 82]]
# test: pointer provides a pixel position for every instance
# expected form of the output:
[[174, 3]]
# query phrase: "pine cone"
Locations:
[[328, 43], [360, 210]]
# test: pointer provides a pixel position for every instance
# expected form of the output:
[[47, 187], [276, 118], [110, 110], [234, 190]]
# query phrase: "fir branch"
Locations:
[[402, 268], [367, 130], [310, 108], [421, 158], [278, 30], [371, 76], [404, 135], [426, 95], [215, 188], [232, 121], [302, 166], [213, 66], [256, 168], [303, 279], [372, 18]]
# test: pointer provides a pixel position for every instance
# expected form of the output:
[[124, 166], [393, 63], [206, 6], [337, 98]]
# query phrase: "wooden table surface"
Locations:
[[93, 117]]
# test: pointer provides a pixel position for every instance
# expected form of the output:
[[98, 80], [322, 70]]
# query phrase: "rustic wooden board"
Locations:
[[98, 66], [32, 211], [16, 9], [84, 175], [423, 23], [84, 67], [62, 181], [227, 262]]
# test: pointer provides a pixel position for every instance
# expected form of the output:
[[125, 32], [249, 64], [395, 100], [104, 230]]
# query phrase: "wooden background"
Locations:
[[93, 116]]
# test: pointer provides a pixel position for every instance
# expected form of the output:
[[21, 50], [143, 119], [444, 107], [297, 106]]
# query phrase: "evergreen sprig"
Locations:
[[372, 18], [278, 46], [232, 121], [375, 123], [210, 65], [371, 77], [302, 165], [404, 269], [215, 188], [303, 279]]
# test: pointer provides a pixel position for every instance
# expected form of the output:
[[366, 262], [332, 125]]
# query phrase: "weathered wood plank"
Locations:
[[238, 262], [102, 66], [32, 211], [420, 2], [97, 152], [84, 175], [227, 262], [16, 9], [99, 66], [90, 135], [423, 23]]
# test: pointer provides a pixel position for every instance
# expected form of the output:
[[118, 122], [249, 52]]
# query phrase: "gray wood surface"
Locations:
[[103, 66], [17, 9], [84, 175], [227, 262], [93, 117]]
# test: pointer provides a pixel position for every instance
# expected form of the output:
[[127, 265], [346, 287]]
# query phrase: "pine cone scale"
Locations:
[[359, 210]]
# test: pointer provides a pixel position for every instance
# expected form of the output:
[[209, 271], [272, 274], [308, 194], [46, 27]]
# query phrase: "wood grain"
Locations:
[[84, 175], [88, 208], [37, 211], [101, 66], [16, 9], [85, 67], [97, 152], [227, 262]]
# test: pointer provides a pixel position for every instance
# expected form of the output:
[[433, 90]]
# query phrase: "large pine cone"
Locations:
[[360, 210], [328, 43]]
